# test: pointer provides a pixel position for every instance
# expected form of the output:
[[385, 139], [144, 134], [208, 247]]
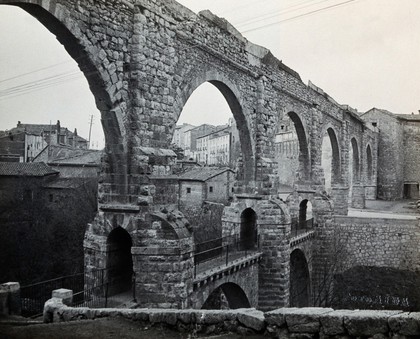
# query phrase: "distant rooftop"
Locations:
[[30, 169]]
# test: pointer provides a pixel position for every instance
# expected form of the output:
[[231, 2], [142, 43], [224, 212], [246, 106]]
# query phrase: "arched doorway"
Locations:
[[248, 232], [119, 261], [227, 296], [299, 280]]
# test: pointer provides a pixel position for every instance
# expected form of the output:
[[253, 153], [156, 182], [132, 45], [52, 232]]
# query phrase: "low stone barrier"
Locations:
[[281, 323], [10, 299]]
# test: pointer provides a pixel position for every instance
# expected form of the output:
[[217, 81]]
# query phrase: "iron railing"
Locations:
[[221, 251], [96, 291], [33, 297], [301, 226]]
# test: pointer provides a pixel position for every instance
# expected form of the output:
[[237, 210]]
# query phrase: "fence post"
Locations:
[[134, 286], [106, 295]]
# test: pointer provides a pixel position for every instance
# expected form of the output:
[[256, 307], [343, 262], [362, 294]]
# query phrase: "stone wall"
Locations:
[[283, 323], [390, 155], [411, 146], [379, 242]]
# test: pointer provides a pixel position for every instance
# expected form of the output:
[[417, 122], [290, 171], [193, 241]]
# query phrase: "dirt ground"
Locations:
[[100, 328]]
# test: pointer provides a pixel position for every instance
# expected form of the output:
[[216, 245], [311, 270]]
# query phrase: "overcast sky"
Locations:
[[365, 53]]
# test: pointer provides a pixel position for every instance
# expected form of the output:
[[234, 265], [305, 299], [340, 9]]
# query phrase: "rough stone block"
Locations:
[[277, 317], [306, 320], [64, 294], [368, 323], [405, 323], [333, 322], [252, 319]]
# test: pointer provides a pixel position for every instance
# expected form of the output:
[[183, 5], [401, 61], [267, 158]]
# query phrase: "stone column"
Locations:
[[273, 275], [10, 303], [164, 275], [358, 196], [340, 197]]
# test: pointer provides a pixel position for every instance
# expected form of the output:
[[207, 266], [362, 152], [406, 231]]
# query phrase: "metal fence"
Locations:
[[33, 297], [301, 226], [221, 251], [99, 292]]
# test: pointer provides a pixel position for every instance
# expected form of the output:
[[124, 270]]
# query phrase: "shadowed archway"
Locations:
[[299, 280], [119, 261], [227, 296]]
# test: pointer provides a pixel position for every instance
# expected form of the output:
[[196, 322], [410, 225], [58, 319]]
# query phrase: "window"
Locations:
[[211, 189], [188, 190], [51, 197]]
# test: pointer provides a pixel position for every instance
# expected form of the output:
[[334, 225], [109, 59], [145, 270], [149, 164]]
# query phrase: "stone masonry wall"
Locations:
[[390, 163], [411, 148], [379, 242], [281, 323]]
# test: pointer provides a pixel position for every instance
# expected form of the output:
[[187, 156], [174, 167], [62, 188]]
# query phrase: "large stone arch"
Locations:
[[62, 21], [304, 154], [336, 157], [233, 96], [355, 152]]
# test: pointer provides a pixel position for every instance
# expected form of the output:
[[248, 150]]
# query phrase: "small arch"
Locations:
[[369, 164], [299, 280], [304, 163], [248, 232], [119, 261], [227, 296]]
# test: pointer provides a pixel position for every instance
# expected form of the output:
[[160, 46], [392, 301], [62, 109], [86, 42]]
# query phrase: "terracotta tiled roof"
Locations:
[[203, 174], [30, 169]]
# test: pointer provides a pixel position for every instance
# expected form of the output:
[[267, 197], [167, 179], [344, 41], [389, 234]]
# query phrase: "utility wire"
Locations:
[[299, 16], [286, 10]]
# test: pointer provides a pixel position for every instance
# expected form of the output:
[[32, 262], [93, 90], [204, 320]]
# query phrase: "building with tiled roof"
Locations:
[[24, 142], [205, 184], [16, 169]]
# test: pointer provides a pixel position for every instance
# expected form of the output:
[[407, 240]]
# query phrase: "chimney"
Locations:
[[58, 132], [19, 123]]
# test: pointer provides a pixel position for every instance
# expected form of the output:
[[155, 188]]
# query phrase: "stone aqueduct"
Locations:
[[143, 59]]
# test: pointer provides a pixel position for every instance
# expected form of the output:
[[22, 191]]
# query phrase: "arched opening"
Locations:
[[78, 53], [354, 175], [354, 162], [330, 160], [227, 296], [231, 143], [287, 151], [119, 261], [369, 167], [304, 221], [304, 171], [299, 280], [248, 231]]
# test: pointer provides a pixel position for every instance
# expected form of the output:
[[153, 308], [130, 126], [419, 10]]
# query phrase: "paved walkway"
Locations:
[[403, 210]]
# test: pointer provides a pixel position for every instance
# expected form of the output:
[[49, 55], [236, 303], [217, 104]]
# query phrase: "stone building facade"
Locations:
[[398, 153]]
